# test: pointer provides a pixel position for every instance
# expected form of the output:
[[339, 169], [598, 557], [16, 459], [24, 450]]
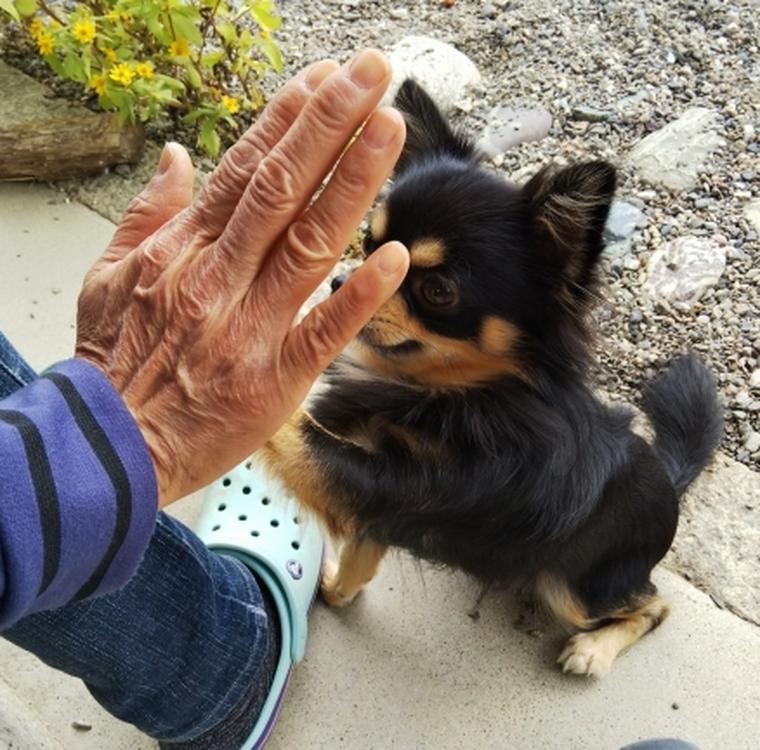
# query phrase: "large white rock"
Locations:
[[681, 271], [673, 156], [444, 71], [508, 127]]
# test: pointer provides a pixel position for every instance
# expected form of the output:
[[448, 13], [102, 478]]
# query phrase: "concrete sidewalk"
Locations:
[[405, 666]]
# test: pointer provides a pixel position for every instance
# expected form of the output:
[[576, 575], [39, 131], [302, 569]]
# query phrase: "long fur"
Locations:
[[687, 417], [466, 431]]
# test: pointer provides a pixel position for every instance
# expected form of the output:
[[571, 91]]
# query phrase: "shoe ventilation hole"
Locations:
[[248, 465], [226, 482], [274, 522], [222, 506], [296, 520], [216, 528], [265, 501], [254, 533], [295, 545], [242, 518], [246, 490]]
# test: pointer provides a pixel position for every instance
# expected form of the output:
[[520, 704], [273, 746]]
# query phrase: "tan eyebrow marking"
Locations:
[[497, 336], [427, 253], [379, 222]]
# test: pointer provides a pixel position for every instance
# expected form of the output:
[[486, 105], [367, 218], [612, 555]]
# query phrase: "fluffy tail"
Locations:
[[683, 406]]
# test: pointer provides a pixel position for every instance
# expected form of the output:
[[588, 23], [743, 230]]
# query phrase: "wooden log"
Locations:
[[66, 146]]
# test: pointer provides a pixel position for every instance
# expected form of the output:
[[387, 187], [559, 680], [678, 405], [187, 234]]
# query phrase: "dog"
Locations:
[[460, 425]]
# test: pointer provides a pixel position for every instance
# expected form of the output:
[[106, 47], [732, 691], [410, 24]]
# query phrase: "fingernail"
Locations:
[[368, 69], [167, 157], [382, 128], [318, 72], [391, 257]]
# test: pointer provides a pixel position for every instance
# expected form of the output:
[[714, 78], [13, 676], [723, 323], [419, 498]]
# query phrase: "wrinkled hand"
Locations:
[[190, 312]]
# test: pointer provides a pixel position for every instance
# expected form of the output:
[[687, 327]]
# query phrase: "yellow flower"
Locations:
[[45, 42], [83, 31], [144, 69], [232, 104], [179, 48], [35, 27], [121, 73], [98, 83], [109, 54]]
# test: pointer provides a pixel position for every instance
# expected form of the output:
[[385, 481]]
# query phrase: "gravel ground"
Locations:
[[645, 63], [635, 66]]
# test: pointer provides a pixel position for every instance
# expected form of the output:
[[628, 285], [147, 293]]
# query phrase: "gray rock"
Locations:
[[719, 536], [673, 156], [508, 127], [444, 71], [617, 251], [754, 380], [752, 214], [631, 263], [682, 270], [591, 114], [623, 220], [400, 14], [752, 441]]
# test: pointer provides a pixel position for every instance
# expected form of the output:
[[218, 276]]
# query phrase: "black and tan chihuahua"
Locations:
[[460, 424]]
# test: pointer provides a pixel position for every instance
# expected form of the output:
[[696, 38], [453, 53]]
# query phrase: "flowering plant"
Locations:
[[202, 59]]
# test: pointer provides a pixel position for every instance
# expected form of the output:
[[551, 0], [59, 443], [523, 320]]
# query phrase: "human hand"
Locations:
[[190, 312]]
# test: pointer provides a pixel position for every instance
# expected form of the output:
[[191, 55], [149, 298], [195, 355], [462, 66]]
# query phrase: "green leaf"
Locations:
[[246, 40], [227, 31], [156, 28], [73, 68], [272, 51], [8, 7], [26, 7], [193, 77], [212, 58], [170, 83], [208, 138], [186, 27], [261, 10], [55, 63]]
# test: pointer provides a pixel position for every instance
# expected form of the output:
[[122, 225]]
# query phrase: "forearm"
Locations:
[[77, 491]]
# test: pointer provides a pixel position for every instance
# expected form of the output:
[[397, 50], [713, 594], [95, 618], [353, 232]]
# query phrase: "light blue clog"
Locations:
[[250, 515]]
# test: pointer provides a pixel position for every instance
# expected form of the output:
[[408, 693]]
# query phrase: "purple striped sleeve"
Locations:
[[78, 491]]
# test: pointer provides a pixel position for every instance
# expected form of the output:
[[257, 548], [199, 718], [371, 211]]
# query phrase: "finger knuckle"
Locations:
[[273, 186], [309, 245], [320, 340], [140, 207], [334, 107]]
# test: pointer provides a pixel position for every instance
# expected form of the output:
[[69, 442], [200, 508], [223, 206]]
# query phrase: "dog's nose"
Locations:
[[338, 281]]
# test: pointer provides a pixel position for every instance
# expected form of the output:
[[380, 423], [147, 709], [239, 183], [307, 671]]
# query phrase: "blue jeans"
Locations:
[[186, 651]]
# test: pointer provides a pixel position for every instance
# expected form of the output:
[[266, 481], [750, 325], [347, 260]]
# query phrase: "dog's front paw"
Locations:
[[330, 587], [587, 654]]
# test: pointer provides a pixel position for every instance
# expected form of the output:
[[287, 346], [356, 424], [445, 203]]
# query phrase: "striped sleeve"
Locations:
[[78, 496]]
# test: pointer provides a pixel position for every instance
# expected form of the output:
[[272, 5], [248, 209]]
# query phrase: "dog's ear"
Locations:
[[427, 131], [569, 208]]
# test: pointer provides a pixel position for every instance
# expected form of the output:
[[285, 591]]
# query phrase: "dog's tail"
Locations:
[[687, 416]]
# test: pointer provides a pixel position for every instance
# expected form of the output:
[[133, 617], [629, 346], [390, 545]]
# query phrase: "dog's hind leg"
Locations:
[[359, 560], [593, 651]]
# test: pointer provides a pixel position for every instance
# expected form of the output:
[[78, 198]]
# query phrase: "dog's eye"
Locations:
[[437, 291]]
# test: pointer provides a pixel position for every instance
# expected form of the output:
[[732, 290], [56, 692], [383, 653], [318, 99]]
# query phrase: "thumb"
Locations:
[[169, 191]]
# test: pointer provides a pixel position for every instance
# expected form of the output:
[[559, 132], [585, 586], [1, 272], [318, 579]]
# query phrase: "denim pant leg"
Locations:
[[175, 652]]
